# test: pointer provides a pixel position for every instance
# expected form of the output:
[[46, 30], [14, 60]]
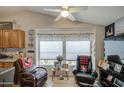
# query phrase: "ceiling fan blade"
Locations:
[[58, 17], [71, 17], [78, 9], [52, 10], [65, 7]]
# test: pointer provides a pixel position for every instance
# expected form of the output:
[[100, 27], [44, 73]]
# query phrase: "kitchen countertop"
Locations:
[[8, 60]]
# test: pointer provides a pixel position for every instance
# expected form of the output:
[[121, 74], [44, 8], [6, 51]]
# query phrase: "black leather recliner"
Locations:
[[29, 77], [114, 58], [83, 73]]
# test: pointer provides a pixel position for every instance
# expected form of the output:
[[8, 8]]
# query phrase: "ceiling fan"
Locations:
[[67, 12]]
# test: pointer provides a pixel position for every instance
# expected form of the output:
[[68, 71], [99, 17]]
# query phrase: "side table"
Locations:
[[64, 70]]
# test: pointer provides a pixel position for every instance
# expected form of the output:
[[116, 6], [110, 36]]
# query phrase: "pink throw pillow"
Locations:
[[27, 62]]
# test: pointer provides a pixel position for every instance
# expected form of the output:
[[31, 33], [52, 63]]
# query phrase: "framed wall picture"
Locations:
[[110, 30], [6, 25], [118, 68]]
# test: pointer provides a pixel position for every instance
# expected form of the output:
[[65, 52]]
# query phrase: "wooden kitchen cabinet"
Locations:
[[21, 39], [17, 39], [6, 38], [1, 65], [6, 64], [12, 39]]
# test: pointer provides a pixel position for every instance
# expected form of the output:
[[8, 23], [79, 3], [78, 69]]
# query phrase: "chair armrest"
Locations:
[[94, 74], [29, 80], [75, 72], [42, 68]]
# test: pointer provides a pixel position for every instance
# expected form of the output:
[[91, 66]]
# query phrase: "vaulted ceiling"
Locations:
[[99, 15]]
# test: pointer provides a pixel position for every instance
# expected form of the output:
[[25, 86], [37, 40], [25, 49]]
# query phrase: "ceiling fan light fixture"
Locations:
[[64, 13]]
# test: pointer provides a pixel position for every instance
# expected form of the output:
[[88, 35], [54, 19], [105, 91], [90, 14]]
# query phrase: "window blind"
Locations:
[[50, 49]]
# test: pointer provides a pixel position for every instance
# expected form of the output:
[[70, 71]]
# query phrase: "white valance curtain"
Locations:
[[68, 37]]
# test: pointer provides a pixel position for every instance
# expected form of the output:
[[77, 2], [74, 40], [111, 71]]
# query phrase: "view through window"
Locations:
[[49, 50]]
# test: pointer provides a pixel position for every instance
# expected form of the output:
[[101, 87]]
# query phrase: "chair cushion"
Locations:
[[85, 78], [83, 63], [84, 75], [83, 68], [27, 62], [39, 73]]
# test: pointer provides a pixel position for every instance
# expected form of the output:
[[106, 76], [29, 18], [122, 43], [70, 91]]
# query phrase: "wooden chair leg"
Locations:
[[53, 75], [67, 75]]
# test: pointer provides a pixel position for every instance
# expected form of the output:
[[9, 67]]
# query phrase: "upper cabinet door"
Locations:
[[1, 40], [6, 38], [21, 39], [14, 39]]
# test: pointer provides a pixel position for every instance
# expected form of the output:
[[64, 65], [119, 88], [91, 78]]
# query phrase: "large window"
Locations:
[[74, 48], [50, 49]]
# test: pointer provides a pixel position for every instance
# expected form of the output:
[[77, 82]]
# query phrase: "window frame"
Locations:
[[64, 50], [82, 41], [49, 41]]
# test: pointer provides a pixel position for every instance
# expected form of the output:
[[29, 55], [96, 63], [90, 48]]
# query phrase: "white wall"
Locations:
[[119, 26], [100, 35], [29, 20]]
